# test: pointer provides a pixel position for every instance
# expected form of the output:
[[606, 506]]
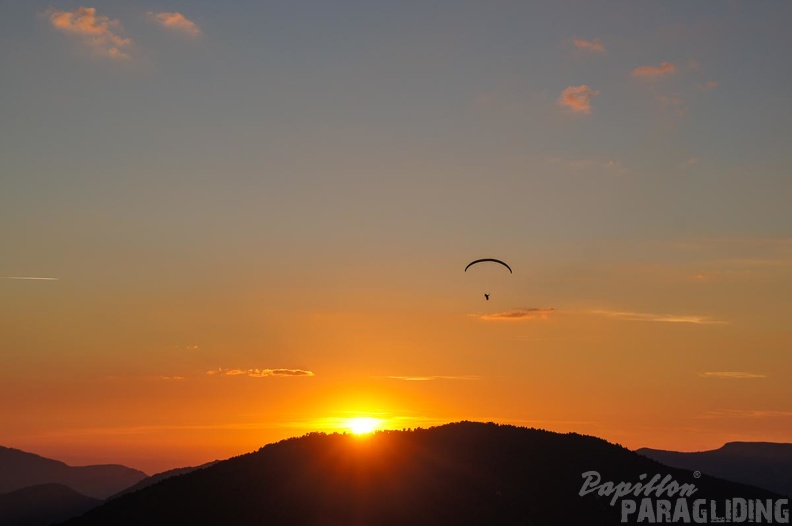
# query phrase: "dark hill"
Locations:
[[43, 505], [464, 473], [762, 464], [19, 469], [153, 479]]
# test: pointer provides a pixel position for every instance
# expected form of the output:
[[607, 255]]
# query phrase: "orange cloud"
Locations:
[[748, 413], [652, 72], [96, 32], [260, 373], [589, 45], [664, 318], [518, 314], [176, 22], [578, 98], [732, 375], [430, 378]]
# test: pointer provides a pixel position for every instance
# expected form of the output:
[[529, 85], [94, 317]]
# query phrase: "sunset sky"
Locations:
[[256, 216]]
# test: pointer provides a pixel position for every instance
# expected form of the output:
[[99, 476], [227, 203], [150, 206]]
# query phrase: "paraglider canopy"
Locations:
[[488, 259]]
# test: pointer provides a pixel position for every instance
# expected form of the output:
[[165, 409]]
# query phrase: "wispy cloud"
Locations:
[[260, 373], [577, 98], [99, 33], [176, 22], [747, 413], [171, 378], [732, 375], [434, 377], [613, 166], [666, 318], [674, 105], [707, 86], [589, 45], [29, 277], [653, 72], [518, 314]]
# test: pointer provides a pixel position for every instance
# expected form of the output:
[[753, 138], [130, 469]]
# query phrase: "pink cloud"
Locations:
[[577, 98], [97, 32], [652, 72], [589, 45], [176, 22]]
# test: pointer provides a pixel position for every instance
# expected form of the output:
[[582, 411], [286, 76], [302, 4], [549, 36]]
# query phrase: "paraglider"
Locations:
[[488, 260]]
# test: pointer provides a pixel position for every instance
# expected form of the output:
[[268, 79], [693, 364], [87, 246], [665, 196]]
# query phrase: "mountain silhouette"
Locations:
[[464, 474], [19, 469], [765, 465], [153, 479], [43, 505]]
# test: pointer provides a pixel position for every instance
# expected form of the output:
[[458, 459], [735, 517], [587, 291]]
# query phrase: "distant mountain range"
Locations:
[[160, 476], [765, 465], [42, 505], [38, 491], [464, 474], [19, 469]]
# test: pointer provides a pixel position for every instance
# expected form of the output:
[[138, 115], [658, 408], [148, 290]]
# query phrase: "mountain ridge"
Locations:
[[20, 469], [765, 465], [461, 473]]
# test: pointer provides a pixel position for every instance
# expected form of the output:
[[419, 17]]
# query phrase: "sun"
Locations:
[[363, 425]]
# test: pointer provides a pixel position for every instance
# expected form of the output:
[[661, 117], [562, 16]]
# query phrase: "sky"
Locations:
[[254, 218]]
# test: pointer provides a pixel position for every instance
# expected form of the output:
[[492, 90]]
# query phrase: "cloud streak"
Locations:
[[732, 375], [518, 314], [260, 373], [665, 318], [589, 45], [653, 72], [176, 22], [748, 413], [99, 33], [30, 278], [577, 98], [434, 377]]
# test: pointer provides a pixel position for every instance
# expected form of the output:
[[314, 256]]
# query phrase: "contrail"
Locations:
[[29, 277]]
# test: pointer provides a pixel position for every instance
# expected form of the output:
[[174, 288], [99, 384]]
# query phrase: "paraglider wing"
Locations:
[[488, 259]]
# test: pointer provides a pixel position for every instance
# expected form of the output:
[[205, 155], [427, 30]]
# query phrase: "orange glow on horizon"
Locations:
[[363, 425]]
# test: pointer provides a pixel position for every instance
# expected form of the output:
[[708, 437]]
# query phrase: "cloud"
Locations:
[[612, 166], [430, 378], [707, 86], [518, 314], [653, 72], [260, 373], [748, 413], [673, 105], [171, 378], [29, 277], [589, 45], [732, 375], [577, 98], [176, 22], [667, 318], [99, 33]]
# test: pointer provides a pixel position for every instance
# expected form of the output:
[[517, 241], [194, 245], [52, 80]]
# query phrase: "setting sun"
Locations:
[[363, 425]]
